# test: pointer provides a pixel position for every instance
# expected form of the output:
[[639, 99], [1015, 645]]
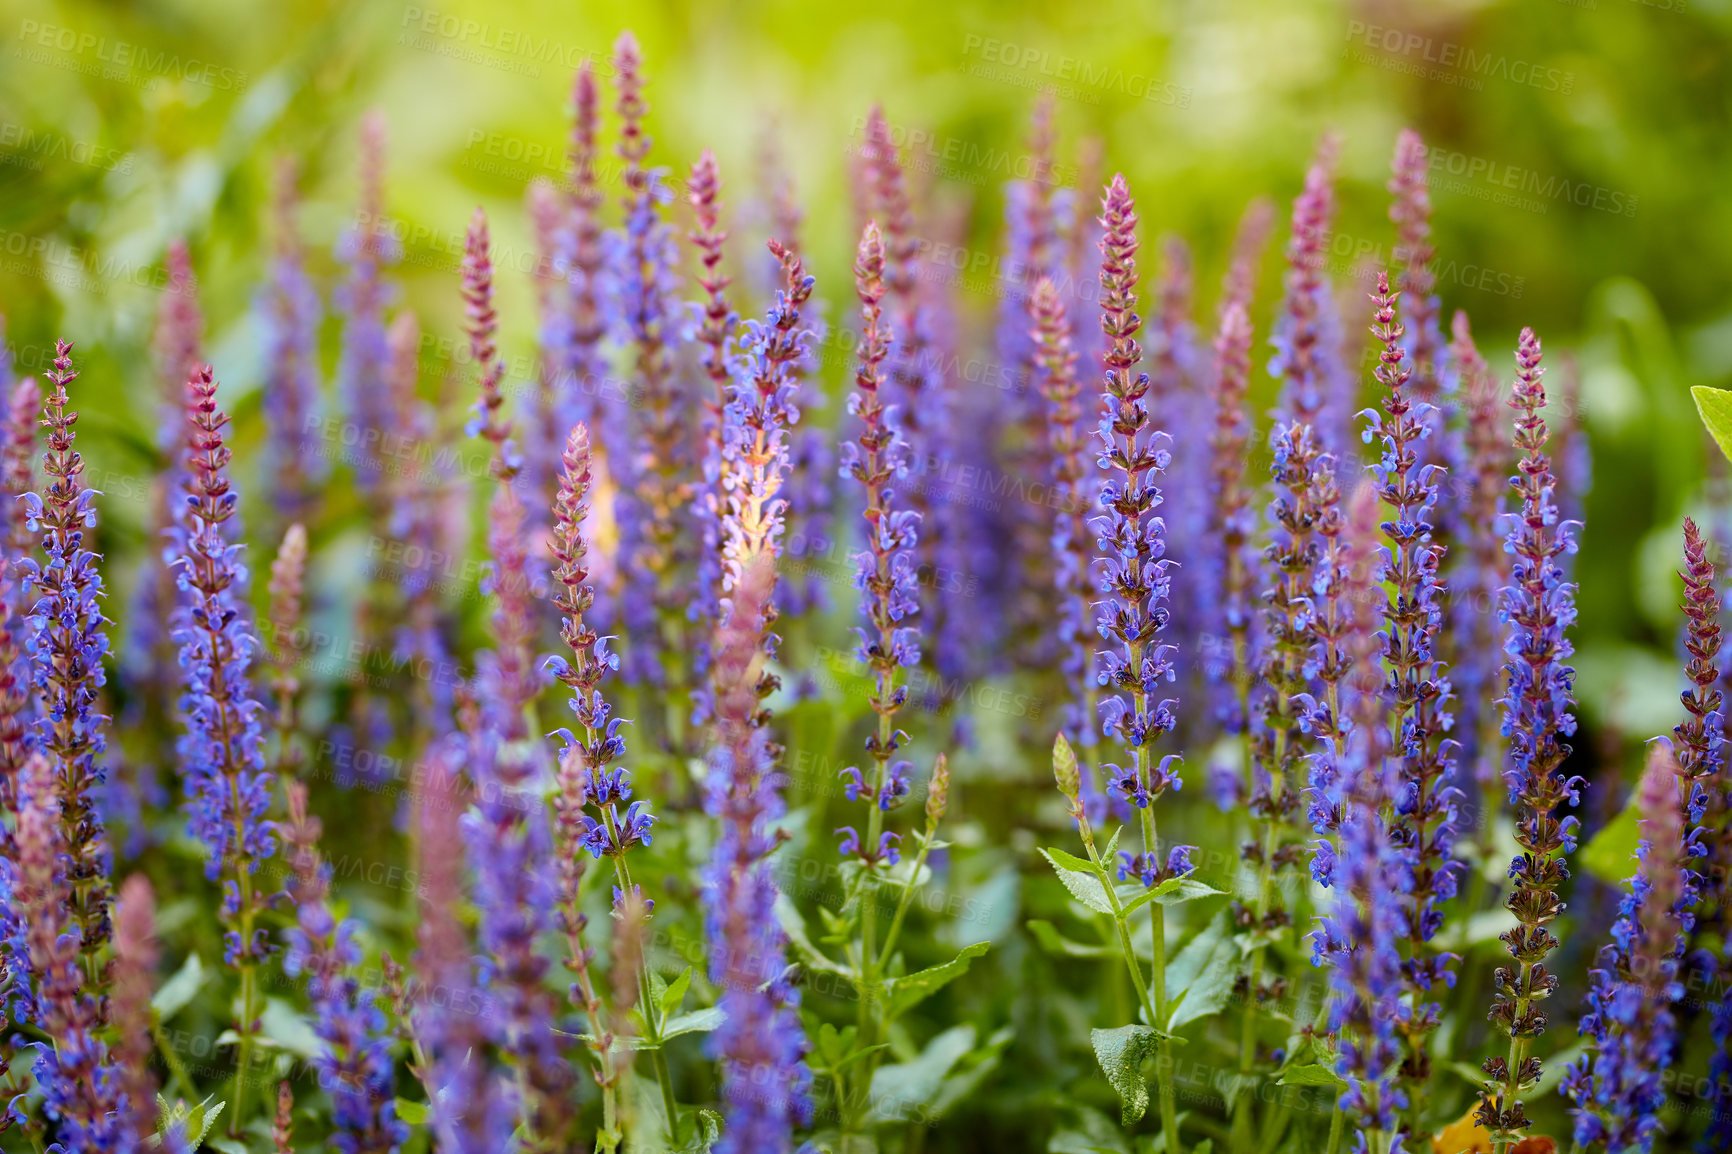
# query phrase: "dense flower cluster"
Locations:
[[537, 931]]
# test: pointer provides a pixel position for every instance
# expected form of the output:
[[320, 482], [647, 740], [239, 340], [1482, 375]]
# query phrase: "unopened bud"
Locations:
[[937, 793], [1064, 769]]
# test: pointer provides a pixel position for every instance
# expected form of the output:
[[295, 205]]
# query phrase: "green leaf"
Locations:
[[1610, 855], [903, 994], [1060, 946], [795, 927], [695, 1022], [1093, 1133], [976, 1066], [1310, 1074], [227, 1145], [179, 990], [285, 1027], [1209, 966], [1715, 407], [1080, 879], [902, 1091], [1120, 1053], [672, 996], [1171, 892], [413, 1113]]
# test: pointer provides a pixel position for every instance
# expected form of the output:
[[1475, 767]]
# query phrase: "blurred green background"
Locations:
[[1580, 188]]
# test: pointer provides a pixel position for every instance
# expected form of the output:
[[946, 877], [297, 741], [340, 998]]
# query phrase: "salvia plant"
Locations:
[[648, 789]]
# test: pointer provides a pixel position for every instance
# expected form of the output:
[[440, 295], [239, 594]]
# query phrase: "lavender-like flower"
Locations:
[[1362, 863], [18, 466], [289, 315], [133, 981], [715, 328], [760, 1044], [1073, 497], [1305, 361], [368, 250], [654, 537], [1229, 526], [507, 831], [885, 571], [1481, 569], [471, 1110], [67, 647], [1135, 664], [82, 1089], [917, 396], [1411, 213], [1619, 1085], [1424, 824], [583, 769], [1538, 605], [221, 752], [355, 1066]]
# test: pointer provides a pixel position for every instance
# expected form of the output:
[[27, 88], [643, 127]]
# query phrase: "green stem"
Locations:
[[176, 1068], [1259, 911], [652, 1015], [1158, 974], [902, 904], [1337, 1122]]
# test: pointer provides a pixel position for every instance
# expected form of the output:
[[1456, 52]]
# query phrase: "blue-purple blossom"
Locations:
[[761, 1045], [67, 644], [288, 310], [367, 249], [355, 1065], [1135, 666], [1538, 607], [1619, 1085]]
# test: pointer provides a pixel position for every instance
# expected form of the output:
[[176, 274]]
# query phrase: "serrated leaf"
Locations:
[[694, 1022], [671, 996], [1120, 1053], [1309, 1074], [1715, 408], [903, 994], [180, 990], [1172, 892], [202, 1118], [413, 1113], [1079, 878]]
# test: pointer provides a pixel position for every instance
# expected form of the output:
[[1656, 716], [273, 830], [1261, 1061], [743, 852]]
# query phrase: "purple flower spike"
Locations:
[[885, 570], [1619, 1085], [81, 1088], [761, 1045], [1130, 536], [1425, 810], [355, 1065], [368, 249], [67, 646], [1539, 607], [655, 539], [1226, 586], [1074, 485], [289, 312]]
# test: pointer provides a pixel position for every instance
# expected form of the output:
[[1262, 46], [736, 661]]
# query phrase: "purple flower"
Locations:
[[82, 1090], [1619, 1084], [1227, 563], [1074, 485], [221, 752], [288, 310], [368, 249], [1538, 607], [355, 1065], [761, 1045], [67, 645], [1481, 567], [1129, 535], [1424, 824], [654, 536]]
